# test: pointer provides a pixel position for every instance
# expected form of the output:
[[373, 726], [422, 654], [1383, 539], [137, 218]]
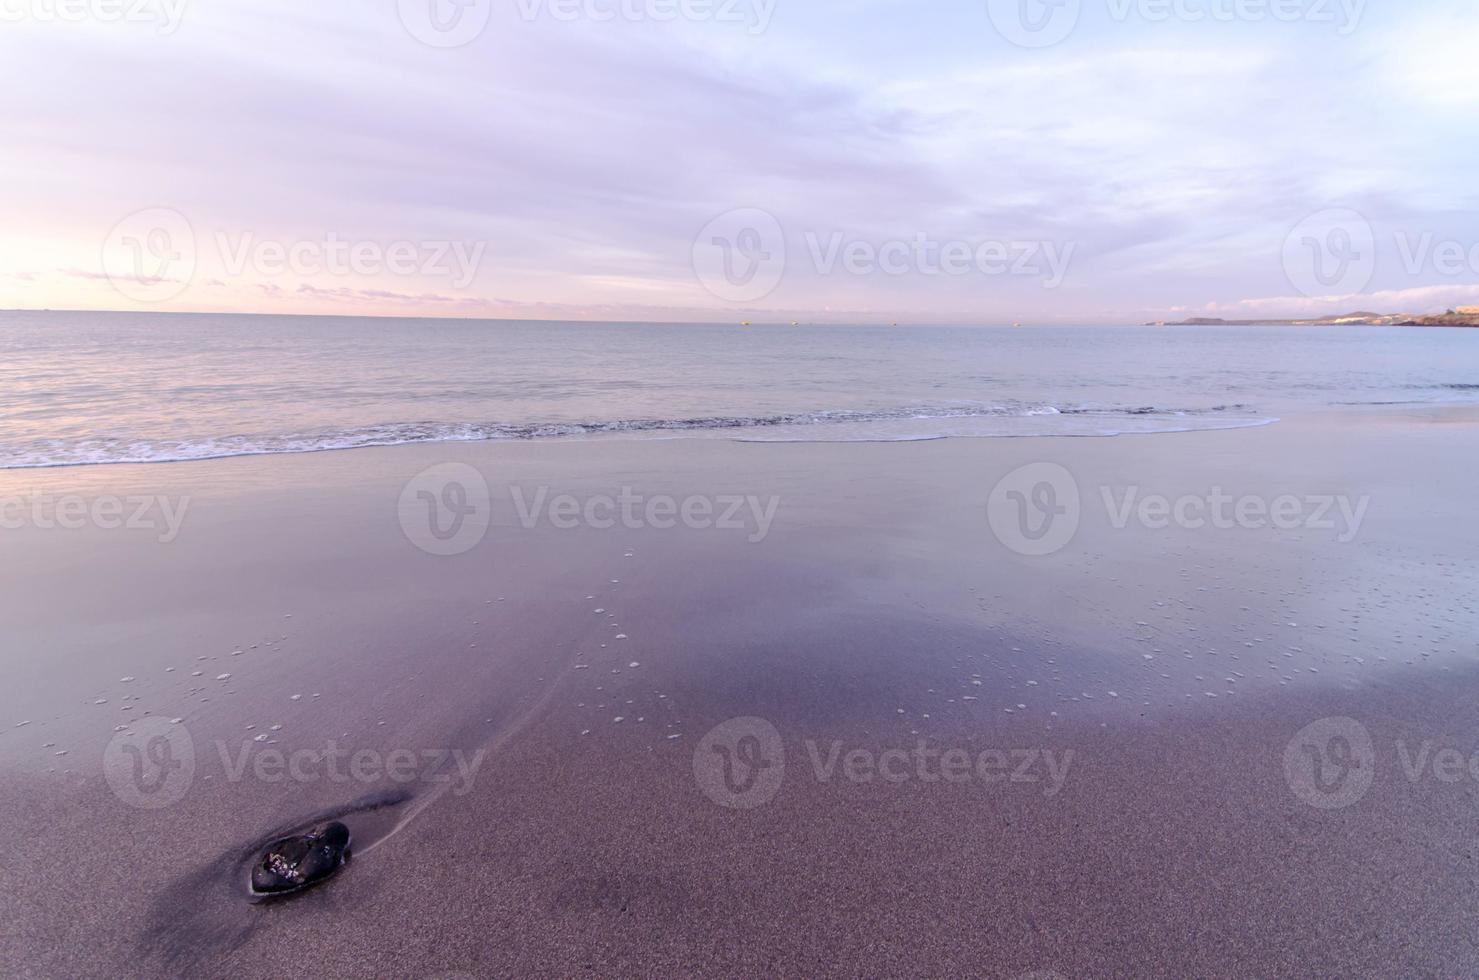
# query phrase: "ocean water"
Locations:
[[88, 388]]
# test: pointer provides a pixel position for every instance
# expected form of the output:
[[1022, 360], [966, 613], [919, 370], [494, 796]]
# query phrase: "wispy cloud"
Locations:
[[585, 157]]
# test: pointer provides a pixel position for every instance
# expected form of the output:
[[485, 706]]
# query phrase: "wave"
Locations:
[[1459, 393], [836, 425], [1441, 386]]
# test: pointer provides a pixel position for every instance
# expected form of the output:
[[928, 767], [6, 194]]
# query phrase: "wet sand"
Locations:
[[1138, 697]]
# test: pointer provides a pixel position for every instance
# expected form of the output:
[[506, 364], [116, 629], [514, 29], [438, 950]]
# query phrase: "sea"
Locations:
[[87, 388]]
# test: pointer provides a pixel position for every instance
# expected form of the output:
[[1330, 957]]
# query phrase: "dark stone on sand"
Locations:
[[292, 864]]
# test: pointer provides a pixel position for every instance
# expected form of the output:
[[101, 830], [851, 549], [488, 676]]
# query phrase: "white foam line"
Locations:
[[752, 429]]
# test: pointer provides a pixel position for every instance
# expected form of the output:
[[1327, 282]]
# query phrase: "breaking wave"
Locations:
[[905, 424]]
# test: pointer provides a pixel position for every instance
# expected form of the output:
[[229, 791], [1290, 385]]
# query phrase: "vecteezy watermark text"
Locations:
[[455, 23], [457, 262], [753, 15], [632, 509], [927, 256], [337, 764], [446, 510], [741, 256], [1343, 15], [140, 512], [167, 14], [1224, 511], [926, 764], [153, 763], [153, 255], [1331, 763], [1037, 509], [1043, 23], [1334, 252], [741, 764]]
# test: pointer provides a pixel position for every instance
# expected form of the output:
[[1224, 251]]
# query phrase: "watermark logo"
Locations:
[[1224, 511], [753, 15], [1446, 765], [1043, 23], [741, 763], [445, 23], [1330, 253], [166, 14], [1330, 763], [1449, 257], [456, 262], [925, 763], [926, 255], [1034, 23], [1343, 15], [149, 256], [1037, 509], [1034, 510], [1334, 252], [444, 510], [153, 255], [454, 768], [634, 510], [151, 765], [161, 514], [740, 256]]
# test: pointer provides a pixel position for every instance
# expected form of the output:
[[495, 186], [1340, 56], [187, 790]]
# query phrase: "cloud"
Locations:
[[349, 294], [1417, 299], [1428, 59], [588, 156]]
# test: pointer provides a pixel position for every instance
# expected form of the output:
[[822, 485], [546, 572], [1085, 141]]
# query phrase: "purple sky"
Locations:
[[743, 159]]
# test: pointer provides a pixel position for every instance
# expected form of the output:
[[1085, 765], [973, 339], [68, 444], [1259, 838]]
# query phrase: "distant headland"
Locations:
[[1464, 316]]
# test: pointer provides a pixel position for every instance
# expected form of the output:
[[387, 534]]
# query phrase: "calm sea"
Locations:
[[122, 387]]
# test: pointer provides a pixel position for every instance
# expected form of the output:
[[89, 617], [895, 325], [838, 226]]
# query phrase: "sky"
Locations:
[[962, 161]]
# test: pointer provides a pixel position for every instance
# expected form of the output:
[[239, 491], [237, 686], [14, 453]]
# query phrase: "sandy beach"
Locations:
[[835, 720], [650, 488]]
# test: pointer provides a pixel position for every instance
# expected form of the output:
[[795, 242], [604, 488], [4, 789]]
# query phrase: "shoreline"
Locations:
[[686, 432], [877, 606], [642, 430]]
